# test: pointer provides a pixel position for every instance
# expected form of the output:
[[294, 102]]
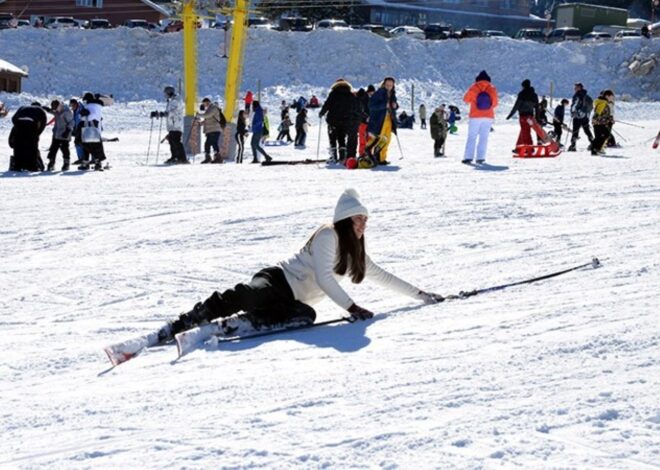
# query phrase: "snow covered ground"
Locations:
[[564, 373]]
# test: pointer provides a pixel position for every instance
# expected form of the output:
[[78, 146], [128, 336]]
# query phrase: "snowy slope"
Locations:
[[560, 374]]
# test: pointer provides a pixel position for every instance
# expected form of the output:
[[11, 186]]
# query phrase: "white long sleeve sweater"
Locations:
[[310, 273]]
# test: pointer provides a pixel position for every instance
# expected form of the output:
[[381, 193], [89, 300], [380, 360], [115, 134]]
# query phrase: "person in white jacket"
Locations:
[[285, 293], [174, 115]]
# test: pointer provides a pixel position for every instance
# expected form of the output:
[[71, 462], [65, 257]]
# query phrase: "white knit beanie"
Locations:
[[349, 205]]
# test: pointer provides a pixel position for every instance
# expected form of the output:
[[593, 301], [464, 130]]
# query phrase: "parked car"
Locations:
[[294, 23], [374, 28], [259, 23], [222, 24], [22, 23], [99, 23], [491, 33], [597, 37], [563, 34], [61, 22], [412, 31], [531, 34], [654, 29], [437, 31], [469, 33], [136, 24], [627, 34], [332, 24], [7, 21]]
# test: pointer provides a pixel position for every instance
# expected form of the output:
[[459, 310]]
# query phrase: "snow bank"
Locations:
[[135, 64]]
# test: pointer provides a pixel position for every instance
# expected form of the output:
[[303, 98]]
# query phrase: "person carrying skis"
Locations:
[[343, 110], [62, 130], [603, 120], [482, 98], [382, 121], [174, 115], [213, 123], [28, 124], [439, 128], [525, 105], [284, 293], [558, 119], [241, 132], [581, 107], [257, 132], [422, 116]]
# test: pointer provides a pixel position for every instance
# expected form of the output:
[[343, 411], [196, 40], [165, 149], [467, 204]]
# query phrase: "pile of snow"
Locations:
[[134, 64]]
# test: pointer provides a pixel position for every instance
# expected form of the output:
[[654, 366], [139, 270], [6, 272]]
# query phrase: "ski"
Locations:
[[307, 161], [119, 353], [656, 142]]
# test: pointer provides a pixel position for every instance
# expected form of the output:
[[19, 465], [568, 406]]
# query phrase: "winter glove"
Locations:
[[359, 313], [154, 114], [430, 298], [163, 114]]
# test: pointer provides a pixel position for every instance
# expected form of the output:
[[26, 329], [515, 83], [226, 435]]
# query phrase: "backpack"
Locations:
[[588, 104], [484, 101]]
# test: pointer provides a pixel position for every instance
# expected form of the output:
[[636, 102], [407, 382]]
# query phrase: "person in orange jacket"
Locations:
[[482, 98]]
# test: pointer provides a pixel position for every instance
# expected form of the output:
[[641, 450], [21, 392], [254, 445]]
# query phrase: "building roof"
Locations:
[[421, 7], [7, 67], [158, 8]]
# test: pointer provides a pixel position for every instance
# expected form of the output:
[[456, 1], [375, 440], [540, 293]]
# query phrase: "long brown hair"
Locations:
[[351, 251]]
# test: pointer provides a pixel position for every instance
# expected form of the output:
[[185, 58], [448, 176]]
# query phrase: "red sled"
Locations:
[[549, 149]]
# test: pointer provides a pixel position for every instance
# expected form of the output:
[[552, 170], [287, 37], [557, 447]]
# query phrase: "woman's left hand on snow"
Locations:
[[430, 298]]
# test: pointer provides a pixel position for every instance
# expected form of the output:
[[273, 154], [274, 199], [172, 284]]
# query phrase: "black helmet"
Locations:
[[169, 91]]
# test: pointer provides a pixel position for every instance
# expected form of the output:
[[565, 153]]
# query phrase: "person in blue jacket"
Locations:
[[382, 121], [257, 132]]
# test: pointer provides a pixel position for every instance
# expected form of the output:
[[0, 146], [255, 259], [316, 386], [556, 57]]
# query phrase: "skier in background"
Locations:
[[581, 107], [213, 123], [422, 116], [91, 116], [174, 115], [482, 98], [525, 105], [284, 128], [603, 120], [284, 293], [439, 126]]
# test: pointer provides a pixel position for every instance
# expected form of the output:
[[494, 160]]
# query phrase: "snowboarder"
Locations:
[[581, 107], [257, 132], [422, 116], [213, 123], [382, 121], [558, 119], [439, 129], [284, 128], [284, 293], [241, 132], [301, 129], [482, 98], [603, 120], [525, 105], [62, 130], [90, 131], [28, 124], [343, 110]]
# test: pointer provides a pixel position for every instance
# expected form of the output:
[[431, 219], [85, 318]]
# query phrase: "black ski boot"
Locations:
[[98, 166], [51, 164], [65, 166], [207, 159], [199, 315]]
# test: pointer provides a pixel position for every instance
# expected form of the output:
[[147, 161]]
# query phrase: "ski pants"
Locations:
[[558, 131], [423, 125], [56, 145], [301, 137], [602, 134], [478, 130], [283, 134], [240, 147], [176, 147], [212, 141], [255, 143], [362, 137], [24, 140], [267, 296], [385, 136], [525, 134], [584, 124]]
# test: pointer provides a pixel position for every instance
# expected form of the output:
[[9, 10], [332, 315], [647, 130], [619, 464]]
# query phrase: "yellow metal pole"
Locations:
[[235, 63], [191, 133]]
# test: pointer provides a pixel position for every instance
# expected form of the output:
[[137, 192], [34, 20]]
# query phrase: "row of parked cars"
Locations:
[[67, 22]]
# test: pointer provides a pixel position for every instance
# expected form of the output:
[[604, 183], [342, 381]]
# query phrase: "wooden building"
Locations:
[[10, 77]]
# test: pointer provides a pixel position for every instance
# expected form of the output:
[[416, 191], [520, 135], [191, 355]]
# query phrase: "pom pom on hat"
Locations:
[[349, 205]]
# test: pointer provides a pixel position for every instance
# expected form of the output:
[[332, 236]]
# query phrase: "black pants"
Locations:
[[268, 297], [602, 134], [176, 147], [212, 141], [423, 126], [255, 143], [584, 124], [283, 134], [558, 131], [24, 140], [437, 146], [240, 147], [56, 145]]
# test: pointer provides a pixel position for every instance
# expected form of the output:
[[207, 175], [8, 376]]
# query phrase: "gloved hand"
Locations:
[[359, 313], [154, 114], [163, 114], [430, 298]]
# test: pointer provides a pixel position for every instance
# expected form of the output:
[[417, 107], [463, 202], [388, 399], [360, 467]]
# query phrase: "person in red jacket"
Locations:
[[482, 98], [249, 98]]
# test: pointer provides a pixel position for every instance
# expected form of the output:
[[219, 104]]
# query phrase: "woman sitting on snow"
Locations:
[[282, 294]]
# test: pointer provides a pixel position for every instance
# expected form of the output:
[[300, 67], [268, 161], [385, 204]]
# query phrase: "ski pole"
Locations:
[[318, 141], [160, 127], [399, 144], [631, 124], [619, 135], [151, 129], [463, 294]]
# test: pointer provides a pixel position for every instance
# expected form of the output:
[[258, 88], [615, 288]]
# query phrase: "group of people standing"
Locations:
[[80, 120]]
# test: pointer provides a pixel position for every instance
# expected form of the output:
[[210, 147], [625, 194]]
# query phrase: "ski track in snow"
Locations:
[[562, 373]]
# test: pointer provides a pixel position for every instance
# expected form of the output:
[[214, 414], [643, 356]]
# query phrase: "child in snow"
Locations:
[[482, 98], [284, 293], [284, 128], [438, 124], [454, 115]]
